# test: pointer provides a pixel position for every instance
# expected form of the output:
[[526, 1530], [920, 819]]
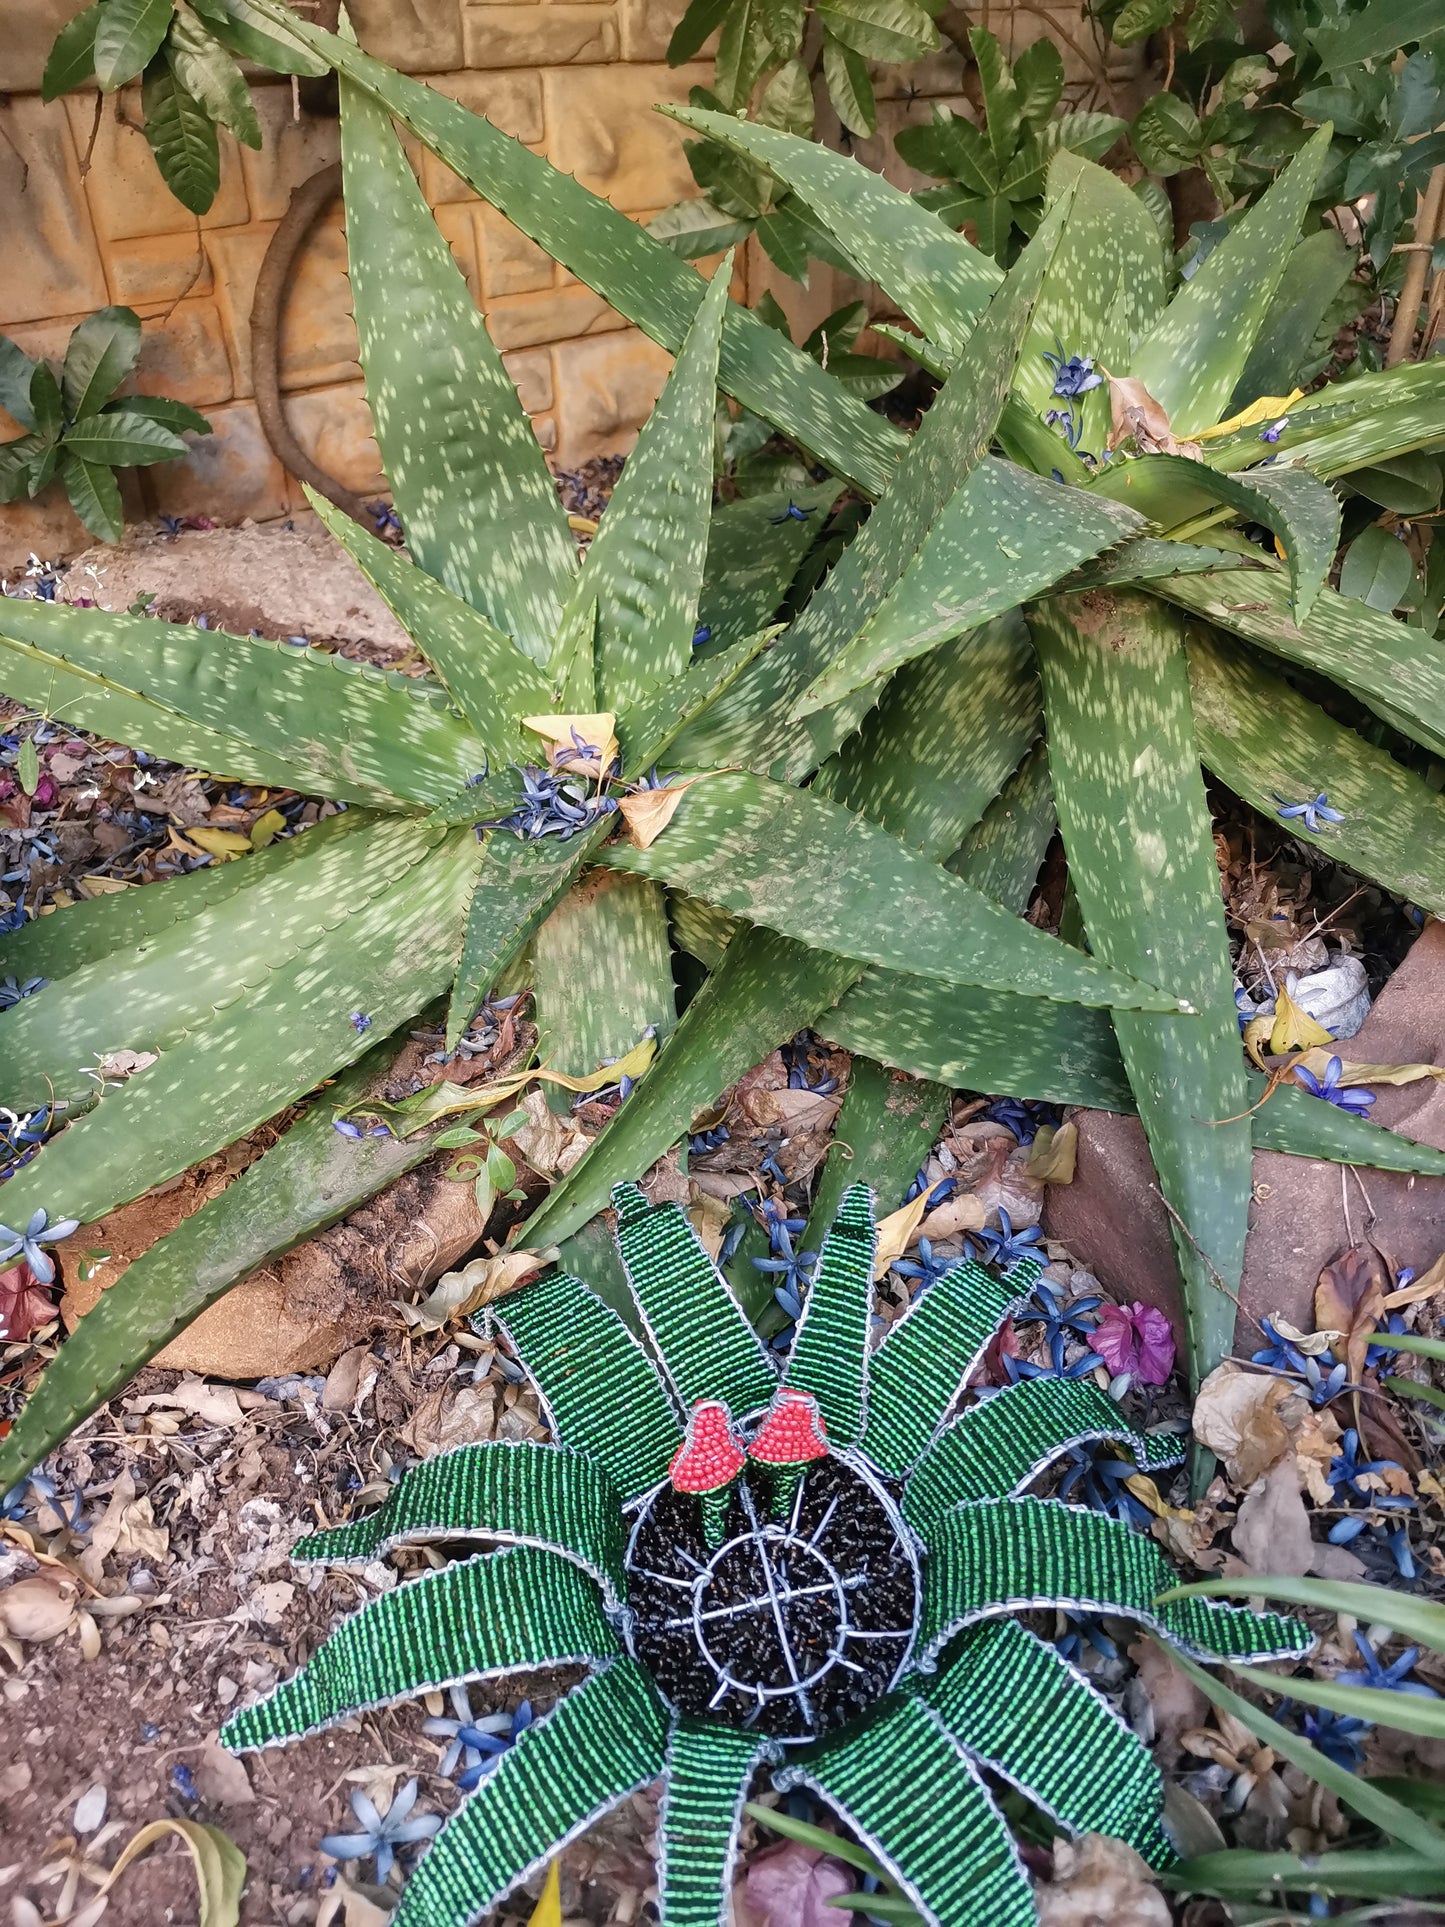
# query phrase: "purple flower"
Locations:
[[1074, 375], [1274, 431], [1354, 1099], [360, 1022], [1314, 812], [346, 1127], [1136, 1339]]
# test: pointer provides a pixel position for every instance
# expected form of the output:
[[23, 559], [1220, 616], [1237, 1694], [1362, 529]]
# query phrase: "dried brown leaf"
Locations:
[[1272, 1530], [1350, 1297], [1100, 1880], [1240, 1416], [39, 1608], [648, 812]]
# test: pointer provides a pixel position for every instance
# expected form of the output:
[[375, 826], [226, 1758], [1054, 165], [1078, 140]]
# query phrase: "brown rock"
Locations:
[[301, 1313], [1305, 1211]]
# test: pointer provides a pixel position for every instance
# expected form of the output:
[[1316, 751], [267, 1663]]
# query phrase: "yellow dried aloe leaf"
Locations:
[[599, 730]]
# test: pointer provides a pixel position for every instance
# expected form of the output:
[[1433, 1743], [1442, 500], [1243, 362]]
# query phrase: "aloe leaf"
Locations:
[[309, 1180], [651, 726], [754, 550], [1304, 1127], [645, 565], [1144, 558], [271, 1046], [90, 931], [1391, 1816], [470, 482], [940, 280], [1370, 1874], [642, 278], [612, 924], [764, 990], [1005, 536], [1272, 745], [169, 985], [492, 680], [515, 885], [982, 690], [1004, 851], [816, 872], [1192, 359], [1301, 511], [1103, 292], [1316, 272], [1395, 669], [1409, 398], [1125, 770], [888, 1123], [302, 719], [572, 665]]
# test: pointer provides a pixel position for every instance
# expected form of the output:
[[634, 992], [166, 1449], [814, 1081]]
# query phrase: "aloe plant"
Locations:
[[1133, 670], [77, 430], [466, 841]]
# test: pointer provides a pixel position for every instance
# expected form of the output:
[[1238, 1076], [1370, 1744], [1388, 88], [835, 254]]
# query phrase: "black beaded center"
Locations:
[[800, 1620]]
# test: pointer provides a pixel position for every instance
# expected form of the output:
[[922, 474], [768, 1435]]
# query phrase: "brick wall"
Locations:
[[575, 81]]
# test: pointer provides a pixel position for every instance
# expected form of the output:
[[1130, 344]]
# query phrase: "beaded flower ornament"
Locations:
[[814, 1574]]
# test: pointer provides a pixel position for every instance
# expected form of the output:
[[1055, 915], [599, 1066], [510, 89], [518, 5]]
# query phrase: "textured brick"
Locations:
[[52, 263], [333, 425], [511, 264], [608, 387], [183, 354], [419, 36], [126, 194], [604, 131], [526, 320], [647, 27], [230, 475], [161, 267], [318, 336], [536, 36], [531, 374], [292, 152], [30, 30]]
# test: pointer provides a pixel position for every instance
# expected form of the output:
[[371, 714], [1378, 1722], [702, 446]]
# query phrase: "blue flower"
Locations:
[[1098, 1478], [1085, 1630], [1321, 1386], [360, 1022], [1006, 1246], [925, 1268], [381, 1837], [1318, 810], [552, 805], [1354, 1098], [346, 1127], [706, 1141], [12, 991], [1347, 1468], [1337, 1735], [1385, 1679], [385, 517], [1058, 1318], [793, 1269], [1023, 1119], [1274, 431], [490, 1738], [1280, 1355], [701, 635], [792, 513], [1018, 1368], [940, 1193], [39, 1231], [1394, 1325], [1074, 375]]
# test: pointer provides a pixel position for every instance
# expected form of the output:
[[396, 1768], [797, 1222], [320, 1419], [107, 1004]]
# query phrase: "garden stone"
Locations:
[[1304, 1211]]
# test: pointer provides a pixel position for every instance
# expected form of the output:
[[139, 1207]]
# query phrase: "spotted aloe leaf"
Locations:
[[1005, 536], [609, 925], [1191, 360], [169, 986], [754, 551], [490, 677], [1342, 427], [299, 1024], [1140, 844], [1004, 851], [642, 278], [470, 482], [816, 872], [1272, 745], [239, 706], [310, 1179], [645, 565], [1395, 669], [1302, 512]]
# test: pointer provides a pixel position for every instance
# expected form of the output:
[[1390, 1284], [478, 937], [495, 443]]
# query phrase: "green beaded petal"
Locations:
[[602, 1742], [705, 1783], [1007, 1555], [501, 1612], [600, 1388], [930, 1354], [707, 1347], [1020, 1708], [908, 1789], [1002, 1444], [515, 1491], [830, 1352]]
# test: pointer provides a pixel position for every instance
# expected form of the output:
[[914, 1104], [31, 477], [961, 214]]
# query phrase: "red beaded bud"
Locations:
[[709, 1457], [792, 1432]]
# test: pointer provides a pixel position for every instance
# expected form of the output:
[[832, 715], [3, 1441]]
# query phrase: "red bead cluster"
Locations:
[[792, 1432], [710, 1457]]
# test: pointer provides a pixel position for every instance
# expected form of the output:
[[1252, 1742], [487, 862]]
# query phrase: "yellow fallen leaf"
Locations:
[[598, 730], [648, 813], [1256, 1036], [266, 829], [1425, 1286], [548, 1911], [1052, 1154], [220, 1867], [1293, 1028], [445, 1099], [895, 1231], [1267, 409], [104, 886], [1352, 1073], [225, 844], [1147, 1493]]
